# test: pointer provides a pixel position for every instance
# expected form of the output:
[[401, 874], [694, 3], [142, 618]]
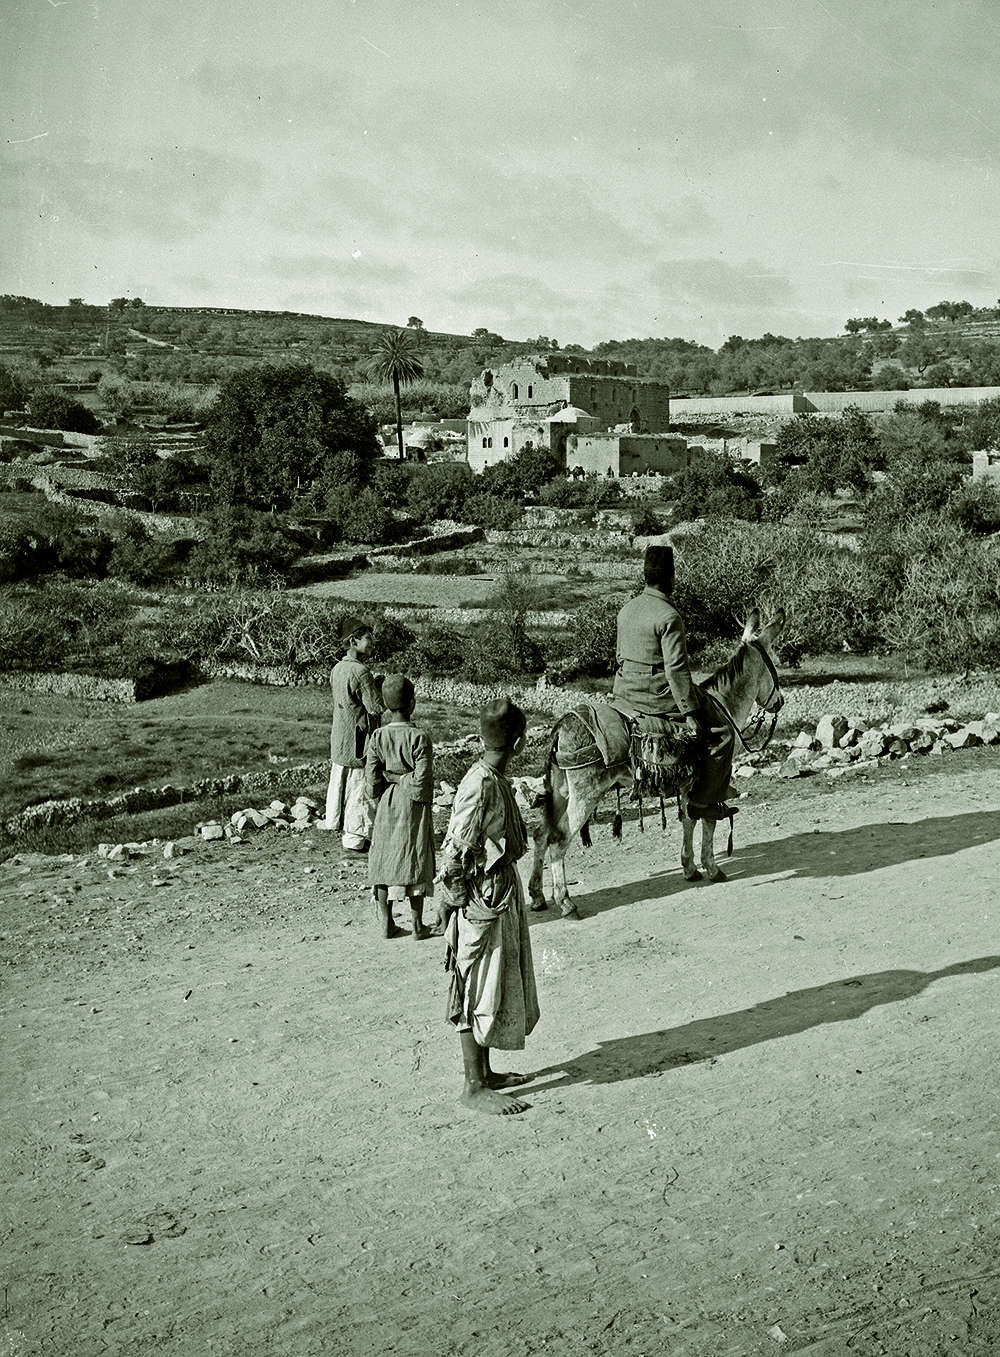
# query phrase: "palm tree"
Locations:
[[395, 360]]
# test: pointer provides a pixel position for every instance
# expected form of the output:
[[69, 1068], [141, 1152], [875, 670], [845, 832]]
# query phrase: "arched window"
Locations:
[[485, 444], [529, 393], [506, 442], [490, 444], [515, 390]]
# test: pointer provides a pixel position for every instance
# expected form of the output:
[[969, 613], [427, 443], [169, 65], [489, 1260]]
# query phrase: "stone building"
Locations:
[[626, 454], [548, 398]]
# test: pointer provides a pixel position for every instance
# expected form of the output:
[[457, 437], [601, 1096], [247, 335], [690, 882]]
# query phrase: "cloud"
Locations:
[[324, 269], [161, 192], [714, 283]]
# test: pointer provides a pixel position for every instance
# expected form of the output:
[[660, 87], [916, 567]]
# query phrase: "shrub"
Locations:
[[50, 409], [490, 511], [946, 614], [360, 515], [443, 565], [241, 546], [645, 523], [438, 649], [714, 487], [499, 647], [439, 491], [593, 635]]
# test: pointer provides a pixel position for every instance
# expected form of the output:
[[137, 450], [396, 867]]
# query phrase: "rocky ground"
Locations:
[[762, 1117]]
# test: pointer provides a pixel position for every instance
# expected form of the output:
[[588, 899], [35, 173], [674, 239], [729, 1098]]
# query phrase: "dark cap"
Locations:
[[353, 626], [501, 724], [397, 692], [658, 564]]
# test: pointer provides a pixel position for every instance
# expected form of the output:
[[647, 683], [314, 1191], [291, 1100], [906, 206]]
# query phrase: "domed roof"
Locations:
[[568, 416]]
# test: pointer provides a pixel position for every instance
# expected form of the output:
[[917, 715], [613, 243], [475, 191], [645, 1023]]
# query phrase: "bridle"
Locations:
[[757, 721]]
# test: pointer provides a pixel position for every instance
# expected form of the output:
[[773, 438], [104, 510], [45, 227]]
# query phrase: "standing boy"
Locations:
[[399, 777], [492, 999], [357, 706]]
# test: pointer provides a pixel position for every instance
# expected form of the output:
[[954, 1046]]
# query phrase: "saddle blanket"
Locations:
[[611, 734]]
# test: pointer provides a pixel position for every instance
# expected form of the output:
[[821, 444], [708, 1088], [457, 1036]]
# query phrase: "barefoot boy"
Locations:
[[492, 999], [399, 776], [357, 705]]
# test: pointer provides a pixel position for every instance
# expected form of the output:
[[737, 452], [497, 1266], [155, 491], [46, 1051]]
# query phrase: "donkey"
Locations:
[[572, 795]]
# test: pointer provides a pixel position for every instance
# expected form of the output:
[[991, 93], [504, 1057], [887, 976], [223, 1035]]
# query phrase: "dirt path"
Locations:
[[764, 1117]]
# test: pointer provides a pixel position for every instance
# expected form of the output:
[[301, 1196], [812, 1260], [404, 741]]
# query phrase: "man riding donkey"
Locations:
[[659, 735], [653, 678]]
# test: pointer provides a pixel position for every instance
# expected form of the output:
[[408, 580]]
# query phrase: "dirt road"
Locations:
[[764, 1114]]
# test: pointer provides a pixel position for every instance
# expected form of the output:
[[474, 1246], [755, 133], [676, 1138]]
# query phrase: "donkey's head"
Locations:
[[768, 691]]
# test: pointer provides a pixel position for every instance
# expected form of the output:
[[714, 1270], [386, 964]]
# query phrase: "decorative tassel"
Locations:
[[616, 823], [642, 823], [585, 838], [729, 846], [663, 815]]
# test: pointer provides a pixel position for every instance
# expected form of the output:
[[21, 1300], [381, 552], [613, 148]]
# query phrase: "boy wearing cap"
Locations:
[[492, 999], [357, 706], [399, 776]]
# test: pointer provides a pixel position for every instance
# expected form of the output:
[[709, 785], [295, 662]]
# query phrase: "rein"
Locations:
[[755, 723]]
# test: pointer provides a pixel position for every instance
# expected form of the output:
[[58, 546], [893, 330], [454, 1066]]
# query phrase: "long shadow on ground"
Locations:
[[652, 1053], [844, 852]]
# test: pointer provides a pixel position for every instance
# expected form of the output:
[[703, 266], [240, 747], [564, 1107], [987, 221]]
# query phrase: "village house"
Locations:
[[547, 399]]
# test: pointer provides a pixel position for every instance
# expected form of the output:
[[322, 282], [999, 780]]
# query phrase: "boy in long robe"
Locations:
[[399, 777], [357, 706], [492, 999]]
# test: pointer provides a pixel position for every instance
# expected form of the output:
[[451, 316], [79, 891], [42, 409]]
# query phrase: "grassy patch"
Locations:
[[54, 748]]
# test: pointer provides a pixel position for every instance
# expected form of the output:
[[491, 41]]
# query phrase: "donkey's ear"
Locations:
[[753, 625], [774, 628]]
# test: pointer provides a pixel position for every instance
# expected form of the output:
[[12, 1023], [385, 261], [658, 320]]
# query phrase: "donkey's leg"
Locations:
[[690, 871], [536, 894], [584, 789], [552, 837], [712, 869]]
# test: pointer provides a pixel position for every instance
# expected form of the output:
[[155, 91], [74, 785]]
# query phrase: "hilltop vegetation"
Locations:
[[952, 343]]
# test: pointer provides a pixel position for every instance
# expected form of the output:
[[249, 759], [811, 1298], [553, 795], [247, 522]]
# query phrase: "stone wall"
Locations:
[[71, 685], [828, 402]]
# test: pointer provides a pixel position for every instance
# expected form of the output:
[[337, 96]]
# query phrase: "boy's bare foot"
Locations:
[[421, 933], [494, 1104], [508, 1080], [394, 932]]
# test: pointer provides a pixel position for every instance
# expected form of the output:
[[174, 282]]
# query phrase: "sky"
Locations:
[[578, 169]]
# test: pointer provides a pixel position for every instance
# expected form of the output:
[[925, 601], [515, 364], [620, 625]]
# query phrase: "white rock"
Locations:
[[212, 831], [962, 739], [172, 850], [830, 729], [279, 806]]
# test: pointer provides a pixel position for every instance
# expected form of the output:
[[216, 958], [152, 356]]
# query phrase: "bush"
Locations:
[[63, 625], [714, 487], [489, 511], [499, 647], [438, 649], [439, 491], [946, 613], [443, 565], [241, 546], [645, 523], [50, 409], [360, 515]]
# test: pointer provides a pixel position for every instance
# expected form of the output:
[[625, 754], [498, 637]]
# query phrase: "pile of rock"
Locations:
[[840, 743], [301, 814]]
